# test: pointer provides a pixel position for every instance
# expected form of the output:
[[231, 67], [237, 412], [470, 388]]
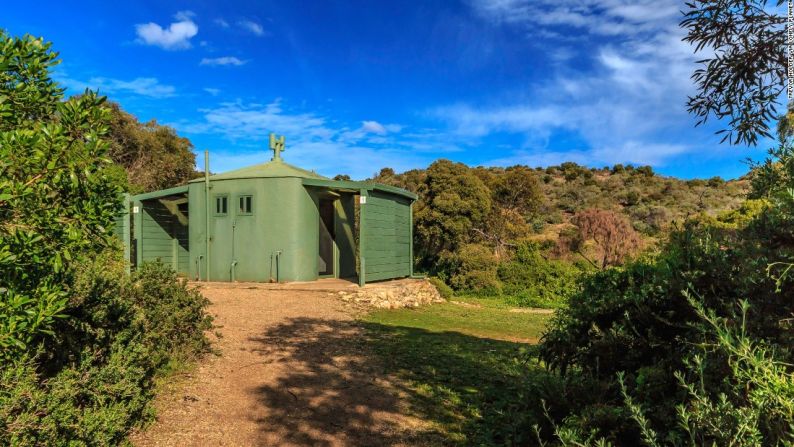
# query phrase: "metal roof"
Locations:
[[277, 168], [357, 186], [272, 169], [161, 193]]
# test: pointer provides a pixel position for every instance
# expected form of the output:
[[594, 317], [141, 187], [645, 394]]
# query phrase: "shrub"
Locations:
[[533, 281], [58, 198], [638, 321], [121, 334], [444, 290], [476, 271], [81, 343]]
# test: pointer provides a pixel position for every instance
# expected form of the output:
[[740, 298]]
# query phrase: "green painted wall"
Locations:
[[161, 236], [284, 218], [279, 238], [386, 236]]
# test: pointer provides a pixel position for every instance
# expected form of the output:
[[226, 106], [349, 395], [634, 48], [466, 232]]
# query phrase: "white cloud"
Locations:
[[212, 91], [176, 37], [627, 105], [601, 17], [224, 60], [373, 127], [150, 87], [313, 141], [251, 26], [221, 22]]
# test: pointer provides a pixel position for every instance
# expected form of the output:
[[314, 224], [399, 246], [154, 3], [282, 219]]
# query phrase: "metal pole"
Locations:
[[207, 207]]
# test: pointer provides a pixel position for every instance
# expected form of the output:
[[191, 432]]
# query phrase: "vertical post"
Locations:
[[174, 253], [125, 232], [335, 255], [137, 214], [207, 209], [362, 238]]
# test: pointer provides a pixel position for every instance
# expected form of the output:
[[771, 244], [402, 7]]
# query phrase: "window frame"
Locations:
[[250, 211], [223, 197]]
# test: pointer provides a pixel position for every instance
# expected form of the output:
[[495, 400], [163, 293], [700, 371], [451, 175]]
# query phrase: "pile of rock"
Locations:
[[393, 294]]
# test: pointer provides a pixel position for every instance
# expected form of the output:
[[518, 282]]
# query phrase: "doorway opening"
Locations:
[[327, 236]]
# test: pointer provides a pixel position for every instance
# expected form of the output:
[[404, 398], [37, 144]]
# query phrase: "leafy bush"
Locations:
[[533, 281], [57, 201], [444, 290], [81, 342], [121, 335], [476, 271], [631, 343]]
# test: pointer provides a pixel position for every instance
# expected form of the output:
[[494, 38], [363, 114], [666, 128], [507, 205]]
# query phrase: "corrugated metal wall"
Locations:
[[386, 236]]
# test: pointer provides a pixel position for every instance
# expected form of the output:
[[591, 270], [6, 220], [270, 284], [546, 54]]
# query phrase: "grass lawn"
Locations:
[[468, 366], [487, 318]]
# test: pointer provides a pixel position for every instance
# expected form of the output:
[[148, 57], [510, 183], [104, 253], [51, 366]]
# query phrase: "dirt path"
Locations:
[[292, 370]]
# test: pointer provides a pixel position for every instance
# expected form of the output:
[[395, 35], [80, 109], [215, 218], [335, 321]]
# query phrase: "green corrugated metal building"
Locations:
[[276, 222]]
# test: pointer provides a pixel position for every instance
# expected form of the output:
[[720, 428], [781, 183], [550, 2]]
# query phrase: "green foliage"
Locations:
[[153, 155], [121, 335], [476, 271], [27, 93], [444, 290], [454, 202], [743, 73], [757, 404], [517, 189], [81, 342], [739, 217], [531, 280], [497, 207], [57, 203], [174, 314], [695, 371]]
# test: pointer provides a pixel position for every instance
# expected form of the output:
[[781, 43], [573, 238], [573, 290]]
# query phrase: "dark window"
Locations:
[[246, 205], [221, 205]]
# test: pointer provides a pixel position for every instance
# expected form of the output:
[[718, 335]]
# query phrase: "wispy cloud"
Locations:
[[212, 91], [224, 60], [175, 37], [630, 96], [374, 127], [314, 141], [599, 17], [221, 22], [149, 87], [251, 26]]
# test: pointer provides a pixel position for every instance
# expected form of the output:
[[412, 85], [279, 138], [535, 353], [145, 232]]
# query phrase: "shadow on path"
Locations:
[[354, 383], [332, 394]]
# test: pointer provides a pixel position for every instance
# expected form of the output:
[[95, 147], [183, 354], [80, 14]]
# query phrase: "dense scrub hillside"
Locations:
[[527, 234], [651, 201]]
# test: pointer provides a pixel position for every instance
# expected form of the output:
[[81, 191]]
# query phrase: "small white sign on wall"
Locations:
[[134, 210], [362, 199]]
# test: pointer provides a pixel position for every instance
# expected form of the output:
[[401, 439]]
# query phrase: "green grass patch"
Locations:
[[481, 317], [469, 368]]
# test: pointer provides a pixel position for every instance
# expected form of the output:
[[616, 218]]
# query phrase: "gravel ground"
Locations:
[[293, 370]]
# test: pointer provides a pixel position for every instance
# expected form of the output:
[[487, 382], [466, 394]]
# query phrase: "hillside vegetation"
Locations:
[[553, 195], [528, 234]]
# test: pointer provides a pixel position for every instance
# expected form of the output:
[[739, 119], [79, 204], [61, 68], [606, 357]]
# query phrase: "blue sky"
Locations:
[[359, 85]]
